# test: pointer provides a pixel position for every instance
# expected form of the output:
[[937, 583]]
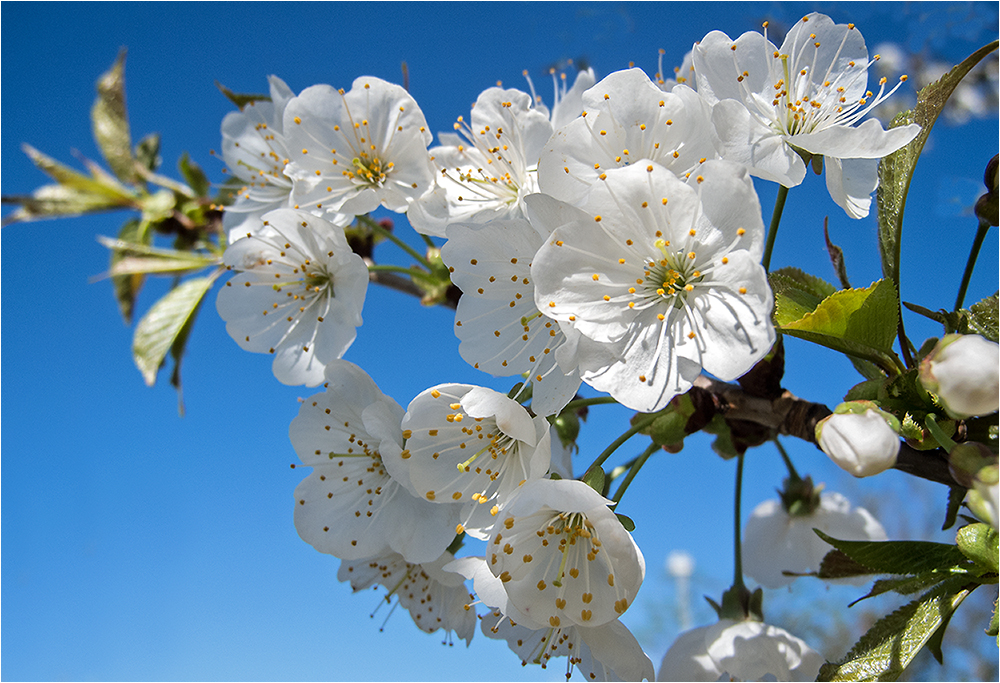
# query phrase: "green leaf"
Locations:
[[147, 152], [956, 494], [127, 286], [110, 121], [626, 522], [797, 293], [837, 564], [594, 478], [983, 318], [978, 542], [836, 256], [900, 557], [858, 322], [905, 585], [194, 176], [58, 201], [896, 170], [994, 628], [891, 644], [177, 352], [160, 327], [241, 99]]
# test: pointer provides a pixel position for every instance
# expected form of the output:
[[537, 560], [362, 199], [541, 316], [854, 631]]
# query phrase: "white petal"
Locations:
[[851, 183], [745, 140], [867, 141]]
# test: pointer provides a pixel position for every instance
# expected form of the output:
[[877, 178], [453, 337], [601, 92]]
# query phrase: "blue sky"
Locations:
[[141, 545]]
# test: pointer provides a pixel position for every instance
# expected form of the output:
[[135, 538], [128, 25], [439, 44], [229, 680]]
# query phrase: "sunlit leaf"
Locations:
[[127, 286], [895, 171], [978, 542], [160, 327], [110, 121], [983, 318], [797, 293]]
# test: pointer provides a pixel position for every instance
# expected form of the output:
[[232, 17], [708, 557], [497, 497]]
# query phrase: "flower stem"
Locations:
[[977, 244], [583, 402], [788, 461], [382, 232], [772, 231], [633, 470], [737, 545], [632, 431]]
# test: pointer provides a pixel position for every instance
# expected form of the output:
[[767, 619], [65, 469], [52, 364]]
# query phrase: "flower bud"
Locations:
[[986, 206], [860, 438], [964, 372]]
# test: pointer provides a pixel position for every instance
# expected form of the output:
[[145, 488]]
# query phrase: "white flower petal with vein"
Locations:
[[298, 294]]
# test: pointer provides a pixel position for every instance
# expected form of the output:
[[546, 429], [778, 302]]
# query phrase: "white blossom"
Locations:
[[567, 104], [474, 446], [663, 280], [563, 557], [253, 146], [486, 172], [775, 541], [739, 651], [436, 598], [863, 441], [772, 105], [350, 506], [350, 152], [500, 328], [626, 119], [964, 372], [298, 294]]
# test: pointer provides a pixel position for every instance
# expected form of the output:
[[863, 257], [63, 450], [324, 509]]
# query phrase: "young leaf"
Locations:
[[797, 293], [896, 170], [891, 644], [160, 327], [55, 201], [127, 286], [626, 522], [594, 478], [241, 99], [978, 542], [194, 176], [983, 318], [858, 322], [110, 121], [836, 256], [147, 152], [900, 557]]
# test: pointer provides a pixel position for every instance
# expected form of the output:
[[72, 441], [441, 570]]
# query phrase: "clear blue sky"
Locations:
[[140, 545]]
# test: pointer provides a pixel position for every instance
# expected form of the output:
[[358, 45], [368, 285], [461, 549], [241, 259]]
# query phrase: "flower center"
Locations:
[[672, 277]]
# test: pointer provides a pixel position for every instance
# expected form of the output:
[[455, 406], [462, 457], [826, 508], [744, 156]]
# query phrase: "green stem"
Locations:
[[633, 470], [428, 241], [772, 232], [632, 431], [737, 546], [583, 402], [977, 244], [387, 234], [788, 461]]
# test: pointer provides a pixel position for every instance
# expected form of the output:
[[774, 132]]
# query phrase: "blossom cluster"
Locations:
[[615, 239]]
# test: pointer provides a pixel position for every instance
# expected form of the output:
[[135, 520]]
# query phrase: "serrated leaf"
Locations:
[[896, 170], [241, 99], [858, 322], [194, 176], [837, 564], [978, 542], [110, 121], [994, 628], [956, 494], [594, 478], [983, 318], [904, 585], [147, 152], [127, 286], [892, 642], [163, 323], [797, 293], [900, 557], [836, 257]]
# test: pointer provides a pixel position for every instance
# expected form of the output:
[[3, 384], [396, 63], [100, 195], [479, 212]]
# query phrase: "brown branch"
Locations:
[[793, 416]]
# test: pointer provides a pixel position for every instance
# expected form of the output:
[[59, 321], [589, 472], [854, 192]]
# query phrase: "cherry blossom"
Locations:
[[663, 280], [776, 107], [350, 506], [253, 146], [739, 651], [775, 541], [436, 598], [964, 372], [471, 445], [351, 152], [298, 294]]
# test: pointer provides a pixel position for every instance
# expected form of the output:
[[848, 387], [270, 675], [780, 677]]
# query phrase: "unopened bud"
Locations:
[[964, 372], [986, 205], [860, 438]]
